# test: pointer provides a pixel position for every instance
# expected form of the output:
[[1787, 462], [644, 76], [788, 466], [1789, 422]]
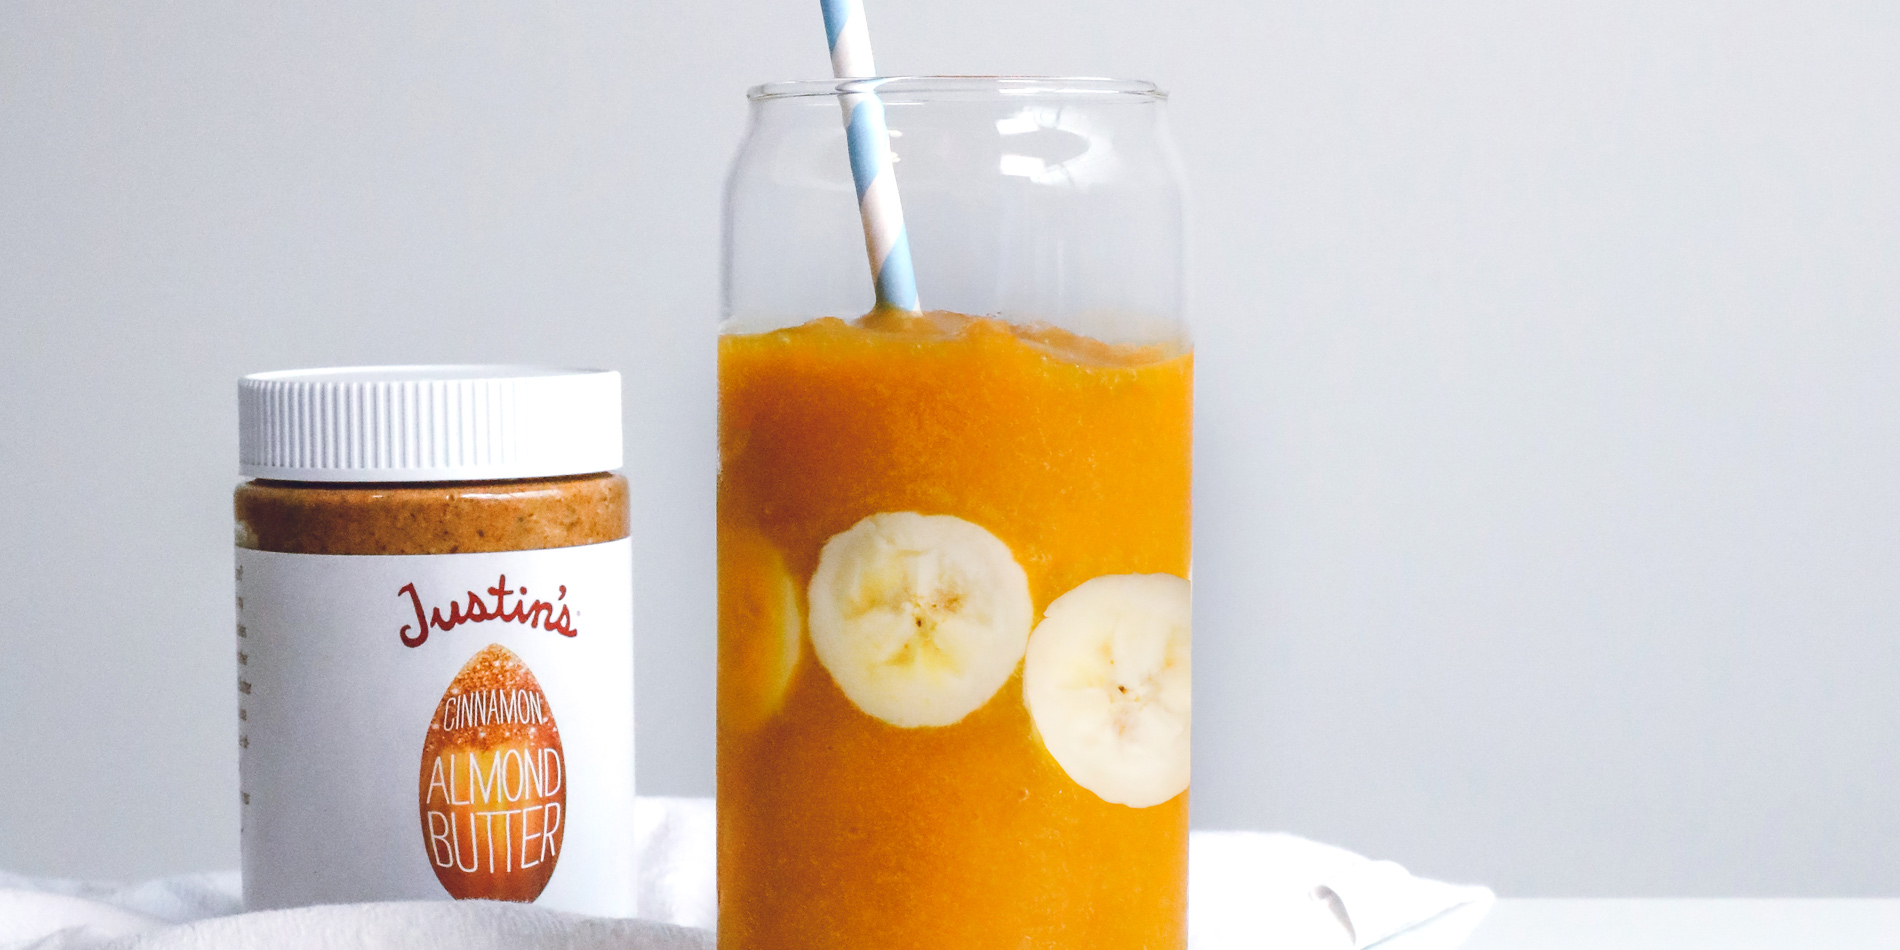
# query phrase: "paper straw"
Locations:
[[869, 141]]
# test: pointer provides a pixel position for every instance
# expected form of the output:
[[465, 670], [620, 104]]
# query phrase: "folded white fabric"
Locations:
[[1246, 890], [465, 925], [1250, 890]]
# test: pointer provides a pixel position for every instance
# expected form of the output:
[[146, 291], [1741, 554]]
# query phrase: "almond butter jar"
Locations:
[[435, 637]]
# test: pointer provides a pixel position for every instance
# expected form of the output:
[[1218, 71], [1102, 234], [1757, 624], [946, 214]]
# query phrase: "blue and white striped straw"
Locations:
[[869, 141]]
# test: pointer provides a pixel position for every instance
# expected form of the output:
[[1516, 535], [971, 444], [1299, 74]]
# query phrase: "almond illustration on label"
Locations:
[[493, 791]]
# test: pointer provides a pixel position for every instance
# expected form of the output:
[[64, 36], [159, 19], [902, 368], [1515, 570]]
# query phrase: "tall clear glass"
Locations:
[[954, 546]]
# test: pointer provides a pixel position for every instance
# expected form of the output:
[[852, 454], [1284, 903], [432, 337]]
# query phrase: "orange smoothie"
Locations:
[[953, 638]]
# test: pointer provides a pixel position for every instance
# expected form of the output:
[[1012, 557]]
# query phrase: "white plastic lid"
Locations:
[[428, 423]]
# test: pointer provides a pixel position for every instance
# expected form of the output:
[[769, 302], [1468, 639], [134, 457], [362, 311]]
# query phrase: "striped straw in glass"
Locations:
[[868, 140]]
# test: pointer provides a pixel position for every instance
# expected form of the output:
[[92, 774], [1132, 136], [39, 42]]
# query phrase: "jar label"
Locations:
[[417, 727]]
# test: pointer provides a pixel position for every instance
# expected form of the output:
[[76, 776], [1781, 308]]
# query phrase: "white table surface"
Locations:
[[1736, 924]]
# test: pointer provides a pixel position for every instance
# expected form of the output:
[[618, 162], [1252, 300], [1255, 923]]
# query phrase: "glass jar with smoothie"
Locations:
[[954, 541]]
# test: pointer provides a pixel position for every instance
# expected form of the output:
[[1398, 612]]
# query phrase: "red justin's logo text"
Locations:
[[536, 613]]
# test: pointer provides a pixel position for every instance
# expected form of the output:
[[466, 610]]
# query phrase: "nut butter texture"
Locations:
[[432, 517]]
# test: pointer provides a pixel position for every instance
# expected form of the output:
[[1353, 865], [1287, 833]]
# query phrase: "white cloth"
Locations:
[[1246, 890], [1251, 890]]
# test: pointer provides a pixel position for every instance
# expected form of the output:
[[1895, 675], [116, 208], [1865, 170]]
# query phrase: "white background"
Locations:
[[1549, 419]]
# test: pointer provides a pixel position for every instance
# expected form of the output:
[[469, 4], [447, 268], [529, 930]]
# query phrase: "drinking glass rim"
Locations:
[[1031, 87]]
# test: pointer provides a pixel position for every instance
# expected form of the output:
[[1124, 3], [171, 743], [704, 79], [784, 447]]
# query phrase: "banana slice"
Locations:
[[920, 619], [1106, 680], [759, 629]]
